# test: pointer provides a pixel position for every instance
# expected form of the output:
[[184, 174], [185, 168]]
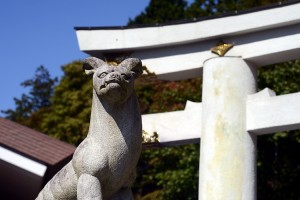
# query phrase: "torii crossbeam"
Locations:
[[231, 114]]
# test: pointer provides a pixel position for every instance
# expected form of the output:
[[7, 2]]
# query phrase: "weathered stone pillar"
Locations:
[[227, 158]]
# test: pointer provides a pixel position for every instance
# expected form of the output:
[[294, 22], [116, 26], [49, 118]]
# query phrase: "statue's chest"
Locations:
[[94, 158]]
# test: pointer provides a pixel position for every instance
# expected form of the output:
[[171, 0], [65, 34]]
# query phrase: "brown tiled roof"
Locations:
[[33, 144]]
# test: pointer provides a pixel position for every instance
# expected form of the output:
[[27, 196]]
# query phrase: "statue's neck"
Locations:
[[104, 113]]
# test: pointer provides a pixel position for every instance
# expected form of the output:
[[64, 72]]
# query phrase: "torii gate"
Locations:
[[231, 114]]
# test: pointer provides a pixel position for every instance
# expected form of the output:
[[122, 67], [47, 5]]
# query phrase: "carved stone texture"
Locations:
[[103, 165]]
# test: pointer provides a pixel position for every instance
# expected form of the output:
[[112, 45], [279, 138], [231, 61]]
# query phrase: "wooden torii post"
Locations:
[[231, 114]]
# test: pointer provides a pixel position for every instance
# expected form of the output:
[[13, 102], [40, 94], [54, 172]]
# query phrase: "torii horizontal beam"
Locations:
[[177, 51], [266, 113], [175, 128]]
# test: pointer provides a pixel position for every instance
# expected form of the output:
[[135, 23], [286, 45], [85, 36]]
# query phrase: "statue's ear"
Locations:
[[134, 65], [91, 64]]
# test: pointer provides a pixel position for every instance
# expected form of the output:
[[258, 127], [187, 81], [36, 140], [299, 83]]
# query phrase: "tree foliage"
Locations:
[[68, 117], [164, 11], [30, 107], [168, 173], [160, 11], [277, 164]]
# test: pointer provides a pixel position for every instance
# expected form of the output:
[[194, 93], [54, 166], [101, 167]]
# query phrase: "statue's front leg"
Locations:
[[89, 188]]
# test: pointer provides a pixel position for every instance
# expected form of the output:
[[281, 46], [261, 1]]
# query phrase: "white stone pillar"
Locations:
[[227, 158]]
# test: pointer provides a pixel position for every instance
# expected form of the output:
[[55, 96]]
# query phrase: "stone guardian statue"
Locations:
[[103, 165]]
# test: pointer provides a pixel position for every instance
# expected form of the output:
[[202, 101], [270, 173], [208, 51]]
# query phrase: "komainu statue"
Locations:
[[103, 165]]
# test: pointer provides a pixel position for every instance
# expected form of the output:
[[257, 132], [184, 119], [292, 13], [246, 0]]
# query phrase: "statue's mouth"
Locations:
[[112, 83]]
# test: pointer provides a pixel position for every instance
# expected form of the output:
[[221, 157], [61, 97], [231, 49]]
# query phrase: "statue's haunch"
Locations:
[[103, 165]]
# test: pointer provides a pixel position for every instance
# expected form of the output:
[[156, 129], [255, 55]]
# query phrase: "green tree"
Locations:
[[159, 11], [278, 166], [68, 117], [168, 173], [240, 5], [41, 88]]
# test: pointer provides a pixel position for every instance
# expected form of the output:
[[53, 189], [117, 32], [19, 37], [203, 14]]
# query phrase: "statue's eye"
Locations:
[[125, 76], [102, 75]]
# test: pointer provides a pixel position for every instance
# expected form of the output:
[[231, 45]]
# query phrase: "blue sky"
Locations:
[[34, 33]]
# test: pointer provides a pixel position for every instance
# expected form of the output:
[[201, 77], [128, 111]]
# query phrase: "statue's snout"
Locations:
[[115, 76]]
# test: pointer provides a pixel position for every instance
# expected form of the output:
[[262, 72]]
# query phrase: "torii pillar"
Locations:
[[228, 166]]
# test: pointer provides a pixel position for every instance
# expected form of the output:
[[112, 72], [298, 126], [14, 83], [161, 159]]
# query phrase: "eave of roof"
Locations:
[[33, 144]]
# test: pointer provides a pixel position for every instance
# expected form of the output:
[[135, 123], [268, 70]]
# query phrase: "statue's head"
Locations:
[[113, 83]]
